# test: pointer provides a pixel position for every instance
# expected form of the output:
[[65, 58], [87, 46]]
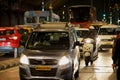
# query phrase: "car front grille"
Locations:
[[43, 61]]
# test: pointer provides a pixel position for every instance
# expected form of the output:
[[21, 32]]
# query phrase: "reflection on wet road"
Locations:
[[100, 70]]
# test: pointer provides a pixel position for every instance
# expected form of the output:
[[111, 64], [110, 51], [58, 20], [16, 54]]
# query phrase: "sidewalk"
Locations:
[[9, 63]]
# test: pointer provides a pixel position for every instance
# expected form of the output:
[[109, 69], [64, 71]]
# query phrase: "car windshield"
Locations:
[[83, 33], [48, 41], [107, 31]]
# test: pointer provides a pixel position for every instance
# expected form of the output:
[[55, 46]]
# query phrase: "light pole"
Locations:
[[50, 7]]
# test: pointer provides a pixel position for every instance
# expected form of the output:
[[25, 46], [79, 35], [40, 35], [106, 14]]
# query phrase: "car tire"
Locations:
[[77, 73], [87, 60], [69, 75]]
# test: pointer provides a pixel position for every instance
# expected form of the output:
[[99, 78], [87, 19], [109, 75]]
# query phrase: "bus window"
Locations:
[[31, 20]]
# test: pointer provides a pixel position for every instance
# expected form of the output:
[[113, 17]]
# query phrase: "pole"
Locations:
[[50, 7]]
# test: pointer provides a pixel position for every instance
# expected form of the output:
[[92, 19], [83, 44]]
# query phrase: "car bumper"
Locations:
[[30, 73], [10, 49], [6, 49], [106, 44]]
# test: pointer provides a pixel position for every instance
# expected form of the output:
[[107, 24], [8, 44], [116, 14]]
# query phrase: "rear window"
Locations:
[[7, 32], [83, 33], [22, 31], [107, 31]]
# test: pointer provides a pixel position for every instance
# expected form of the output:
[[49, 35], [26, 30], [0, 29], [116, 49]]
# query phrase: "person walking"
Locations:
[[116, 56]]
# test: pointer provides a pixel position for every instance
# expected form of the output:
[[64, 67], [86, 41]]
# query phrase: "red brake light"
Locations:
[[13, 37]]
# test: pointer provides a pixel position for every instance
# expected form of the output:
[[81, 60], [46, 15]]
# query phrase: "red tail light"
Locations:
[[13, 37]]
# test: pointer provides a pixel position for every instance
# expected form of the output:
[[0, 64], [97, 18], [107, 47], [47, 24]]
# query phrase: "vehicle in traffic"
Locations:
[[106, 36], [9, 40], [90, 50], [82, 15], [82, 33], [51, 52], [35, 18], [24, 28]]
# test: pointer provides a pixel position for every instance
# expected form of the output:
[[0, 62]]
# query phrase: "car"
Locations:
[[51, 53], [82, 33], [9, 40], [106, 36], [26, 28]]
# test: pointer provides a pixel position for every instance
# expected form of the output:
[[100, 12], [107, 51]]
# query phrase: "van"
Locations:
[[106, 35], [51, 53]]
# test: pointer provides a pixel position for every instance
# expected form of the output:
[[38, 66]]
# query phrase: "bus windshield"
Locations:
[[81, 13]]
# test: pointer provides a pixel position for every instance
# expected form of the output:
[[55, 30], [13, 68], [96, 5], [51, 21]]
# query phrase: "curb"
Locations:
[[9, 63]]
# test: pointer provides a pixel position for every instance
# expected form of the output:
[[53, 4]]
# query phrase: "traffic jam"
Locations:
[[54, 50]]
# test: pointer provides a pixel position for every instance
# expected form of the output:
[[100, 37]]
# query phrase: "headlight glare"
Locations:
[[88, 41], [98, 39], [64, 60], [24, 59]]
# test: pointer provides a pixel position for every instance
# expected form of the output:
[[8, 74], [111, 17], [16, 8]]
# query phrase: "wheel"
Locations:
[[91, 62], [87, 59], [77, 73], [20, 75], [2, 54], [69, 75]]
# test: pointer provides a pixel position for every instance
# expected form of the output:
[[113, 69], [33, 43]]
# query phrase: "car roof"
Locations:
[[7, 28], [53, 26], [109, 26], [78, 28]]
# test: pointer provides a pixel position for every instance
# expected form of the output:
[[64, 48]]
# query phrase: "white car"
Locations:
[[106, 35], [82, 33]]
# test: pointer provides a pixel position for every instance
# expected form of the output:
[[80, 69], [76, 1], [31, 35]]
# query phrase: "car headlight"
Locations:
[[98, 39], [88, 41], [64, 60], [24, 59]]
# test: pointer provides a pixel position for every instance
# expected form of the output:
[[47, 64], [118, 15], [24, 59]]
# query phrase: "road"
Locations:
[[100, 70]]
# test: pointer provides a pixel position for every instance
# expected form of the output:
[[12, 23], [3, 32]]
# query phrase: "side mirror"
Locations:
[[22, 42], [77, 43]]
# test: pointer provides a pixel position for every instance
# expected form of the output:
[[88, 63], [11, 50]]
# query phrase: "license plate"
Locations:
[[108, 43], [2, 39], [46, 68]]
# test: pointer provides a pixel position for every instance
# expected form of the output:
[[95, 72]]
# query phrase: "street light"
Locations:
[[43, 5]]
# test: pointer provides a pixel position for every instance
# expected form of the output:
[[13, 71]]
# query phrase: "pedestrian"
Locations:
[[116, 56]]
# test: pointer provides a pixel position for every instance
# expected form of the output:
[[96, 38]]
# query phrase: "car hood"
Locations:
[[49, 53]]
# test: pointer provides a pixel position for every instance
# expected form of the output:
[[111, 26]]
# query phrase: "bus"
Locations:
[[35, 18], [82, 15]]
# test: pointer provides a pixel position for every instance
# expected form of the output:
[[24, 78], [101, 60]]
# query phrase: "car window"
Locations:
[[22, 31], [107, 31], [82, 33], [49, 40]]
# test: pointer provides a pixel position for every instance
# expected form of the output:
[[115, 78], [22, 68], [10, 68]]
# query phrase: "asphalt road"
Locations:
[[100, 70]]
